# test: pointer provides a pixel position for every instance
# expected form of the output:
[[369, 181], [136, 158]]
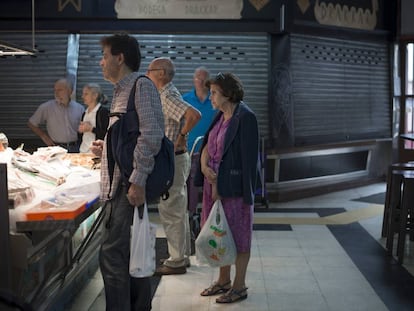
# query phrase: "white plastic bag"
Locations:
[[142, 252], [215, 245]]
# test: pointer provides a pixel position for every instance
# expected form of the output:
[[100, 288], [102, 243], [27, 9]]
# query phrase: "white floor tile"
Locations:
[[355, 302], [297, 302], [305, 269]]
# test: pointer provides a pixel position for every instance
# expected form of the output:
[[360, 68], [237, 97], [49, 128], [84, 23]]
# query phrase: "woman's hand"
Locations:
[[85, 127], [209, 173], [214, 193]]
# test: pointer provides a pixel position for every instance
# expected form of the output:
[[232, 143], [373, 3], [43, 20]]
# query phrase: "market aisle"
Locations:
[[328, 257]]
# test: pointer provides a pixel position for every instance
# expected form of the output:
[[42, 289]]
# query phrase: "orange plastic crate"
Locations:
[[49, 211]]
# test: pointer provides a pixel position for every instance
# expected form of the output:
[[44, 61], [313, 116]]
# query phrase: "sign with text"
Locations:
[[183, 9]]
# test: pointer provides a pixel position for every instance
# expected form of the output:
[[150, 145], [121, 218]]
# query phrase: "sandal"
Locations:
[[216, 289], [233, 295]]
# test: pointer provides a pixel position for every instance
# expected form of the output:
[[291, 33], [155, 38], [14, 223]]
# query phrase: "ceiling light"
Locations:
[[8, 49]]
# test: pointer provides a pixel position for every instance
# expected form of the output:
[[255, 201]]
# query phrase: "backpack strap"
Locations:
[[131, 99], [130, 107]]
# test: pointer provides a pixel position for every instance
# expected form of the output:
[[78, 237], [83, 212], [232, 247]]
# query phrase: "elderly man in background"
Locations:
[[199, 98], [180, 117], [62, 117]]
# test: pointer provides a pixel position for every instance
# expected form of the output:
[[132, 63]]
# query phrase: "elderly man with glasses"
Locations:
[[180, 117]]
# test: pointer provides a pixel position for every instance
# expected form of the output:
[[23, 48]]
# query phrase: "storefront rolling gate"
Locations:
[[246, 55]]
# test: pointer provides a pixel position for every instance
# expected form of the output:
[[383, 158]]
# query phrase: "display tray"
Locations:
[[53, 224], [48, 210]]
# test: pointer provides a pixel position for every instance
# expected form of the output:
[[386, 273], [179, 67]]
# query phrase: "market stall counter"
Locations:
[[54, 217]]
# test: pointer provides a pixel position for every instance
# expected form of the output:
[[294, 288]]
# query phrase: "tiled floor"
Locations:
[[320, 253]]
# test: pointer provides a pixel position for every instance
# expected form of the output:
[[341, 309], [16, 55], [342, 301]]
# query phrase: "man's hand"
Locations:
[[97, 147], [48, 141], [136, 195], [42, 134], [180, 143]]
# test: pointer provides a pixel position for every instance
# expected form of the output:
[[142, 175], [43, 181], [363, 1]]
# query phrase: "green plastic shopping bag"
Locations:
[[215, 245]]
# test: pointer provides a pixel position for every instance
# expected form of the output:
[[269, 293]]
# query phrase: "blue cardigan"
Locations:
[[238, 171]]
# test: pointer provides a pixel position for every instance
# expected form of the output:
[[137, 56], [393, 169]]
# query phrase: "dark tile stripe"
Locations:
[[378, 198], [272, 227], [391, 281], [322, 212]]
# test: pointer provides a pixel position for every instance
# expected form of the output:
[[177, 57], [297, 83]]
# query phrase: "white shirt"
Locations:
[[89, 137]]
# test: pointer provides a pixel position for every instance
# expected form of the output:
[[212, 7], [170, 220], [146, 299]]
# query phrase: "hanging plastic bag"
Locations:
[[215, 245], [142, 252]]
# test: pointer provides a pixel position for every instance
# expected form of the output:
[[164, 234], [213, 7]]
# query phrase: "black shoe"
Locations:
[[162, 260], [165, 270]]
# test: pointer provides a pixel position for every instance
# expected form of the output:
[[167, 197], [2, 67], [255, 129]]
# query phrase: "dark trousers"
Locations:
[[72, 147], [122, 292], [192, 190]]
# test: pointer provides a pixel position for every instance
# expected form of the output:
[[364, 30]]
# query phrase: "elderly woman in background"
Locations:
[[228, 171], [96, 117]]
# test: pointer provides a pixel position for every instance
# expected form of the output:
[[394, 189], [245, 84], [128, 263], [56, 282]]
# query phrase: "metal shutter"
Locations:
[[246, 55], [26, 82], [340, 90]]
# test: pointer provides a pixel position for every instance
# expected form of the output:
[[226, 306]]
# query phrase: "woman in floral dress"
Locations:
[[229, 171]]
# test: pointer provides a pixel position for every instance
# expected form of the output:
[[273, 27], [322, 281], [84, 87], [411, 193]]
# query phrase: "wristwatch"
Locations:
[[184, 135]]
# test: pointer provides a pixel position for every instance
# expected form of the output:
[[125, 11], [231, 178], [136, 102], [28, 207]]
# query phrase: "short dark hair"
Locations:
[[127, 45], [230, 85]]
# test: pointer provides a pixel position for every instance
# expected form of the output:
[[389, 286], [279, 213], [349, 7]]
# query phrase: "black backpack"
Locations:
[[121, 141]]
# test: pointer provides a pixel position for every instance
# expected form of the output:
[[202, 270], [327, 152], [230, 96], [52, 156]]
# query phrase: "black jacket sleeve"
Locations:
[[102, 121]]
